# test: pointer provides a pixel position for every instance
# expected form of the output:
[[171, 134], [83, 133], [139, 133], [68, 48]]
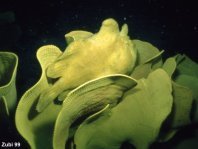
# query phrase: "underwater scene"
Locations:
[[98, 74]]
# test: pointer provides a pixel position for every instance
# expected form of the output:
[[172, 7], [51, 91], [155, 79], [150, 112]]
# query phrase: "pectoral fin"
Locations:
[[50, 94]]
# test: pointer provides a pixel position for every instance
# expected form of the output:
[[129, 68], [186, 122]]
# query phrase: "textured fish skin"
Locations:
[[109, 51]]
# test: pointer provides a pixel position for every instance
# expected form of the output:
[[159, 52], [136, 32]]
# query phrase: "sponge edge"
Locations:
[[32, 125], [124, 81], [92, 96], [8, 71]]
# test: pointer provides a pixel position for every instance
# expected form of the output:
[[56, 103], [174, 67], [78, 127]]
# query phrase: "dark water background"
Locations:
[[25, 26]]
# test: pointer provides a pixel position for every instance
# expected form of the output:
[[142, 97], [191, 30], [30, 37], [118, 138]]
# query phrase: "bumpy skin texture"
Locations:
[[109, 51]]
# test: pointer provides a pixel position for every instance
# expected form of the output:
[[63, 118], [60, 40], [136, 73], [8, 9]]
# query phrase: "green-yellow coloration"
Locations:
[[148, 59], [182, 103], [8, 70], [87, 96], [136, 119], [109, 51], [90, 97], [37, 128], [77, 35], [188, 77]]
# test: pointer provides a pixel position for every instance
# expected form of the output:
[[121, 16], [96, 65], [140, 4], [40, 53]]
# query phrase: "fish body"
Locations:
[[109, 51]]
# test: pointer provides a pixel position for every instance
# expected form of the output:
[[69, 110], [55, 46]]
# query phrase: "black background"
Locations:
[[169, 25]]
